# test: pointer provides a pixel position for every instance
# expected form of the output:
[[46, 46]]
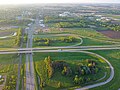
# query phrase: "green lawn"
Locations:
[[55, 40], [7, 32], [92, 42], [7, 42], [72, 59], [90, 36], [113, 57]]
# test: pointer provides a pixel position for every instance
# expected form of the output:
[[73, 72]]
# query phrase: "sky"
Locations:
[[56, 1]]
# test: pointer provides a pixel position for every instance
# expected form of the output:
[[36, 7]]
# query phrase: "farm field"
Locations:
[[111, 34]]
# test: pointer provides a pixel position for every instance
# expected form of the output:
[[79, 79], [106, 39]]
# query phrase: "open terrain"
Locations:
[[111, 34], [65, 26]]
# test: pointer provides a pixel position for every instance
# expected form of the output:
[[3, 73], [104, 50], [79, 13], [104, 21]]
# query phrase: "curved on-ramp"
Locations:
[[78, 37], [101, 83]]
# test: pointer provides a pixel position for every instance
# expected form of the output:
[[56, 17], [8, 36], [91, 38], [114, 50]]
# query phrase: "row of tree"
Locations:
[[18, 37], [11, 79], [42, 41], [67, 22], [47, 42], [58, 19]]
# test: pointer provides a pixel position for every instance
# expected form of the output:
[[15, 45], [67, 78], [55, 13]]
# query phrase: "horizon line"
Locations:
[[63, 3]]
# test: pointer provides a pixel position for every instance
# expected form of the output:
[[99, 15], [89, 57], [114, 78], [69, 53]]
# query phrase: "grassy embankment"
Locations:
[[73, 59]]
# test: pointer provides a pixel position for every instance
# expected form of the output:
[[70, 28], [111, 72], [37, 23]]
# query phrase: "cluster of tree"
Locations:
[[116, 12], [111, 26], [42, 41], [81, 80], [5, 69], [49, 67], [47, 42], [87, 24], [68, 39], [91, 68], [18, 37], [15, 22], [80, 70], [67, 22], [71, 25], [11, 79], [10, 82], [58, 19]]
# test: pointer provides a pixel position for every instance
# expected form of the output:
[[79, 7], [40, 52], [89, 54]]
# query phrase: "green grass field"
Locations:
[[72, 59], [89, 36], [8, 42], [113, 56], [55, 40]]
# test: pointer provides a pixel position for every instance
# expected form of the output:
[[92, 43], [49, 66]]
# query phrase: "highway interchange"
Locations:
[[30, 78], [29, 51]]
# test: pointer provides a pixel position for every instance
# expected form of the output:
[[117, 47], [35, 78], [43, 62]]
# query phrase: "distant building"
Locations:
[[42, 25], [19, 17], [64, 14]]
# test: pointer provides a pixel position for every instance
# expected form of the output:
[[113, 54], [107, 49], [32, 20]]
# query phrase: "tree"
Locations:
[[59, 84], [49, 66], [76, 79], [83, 72]]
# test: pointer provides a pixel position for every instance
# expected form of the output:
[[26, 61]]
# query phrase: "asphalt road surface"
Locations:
[[30, 80]]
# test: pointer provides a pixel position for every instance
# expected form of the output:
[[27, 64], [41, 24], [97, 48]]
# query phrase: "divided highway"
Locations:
[[59, 49], [30, 67], [30, 80]]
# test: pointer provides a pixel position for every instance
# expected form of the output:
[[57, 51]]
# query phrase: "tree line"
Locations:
[[83, 22]]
